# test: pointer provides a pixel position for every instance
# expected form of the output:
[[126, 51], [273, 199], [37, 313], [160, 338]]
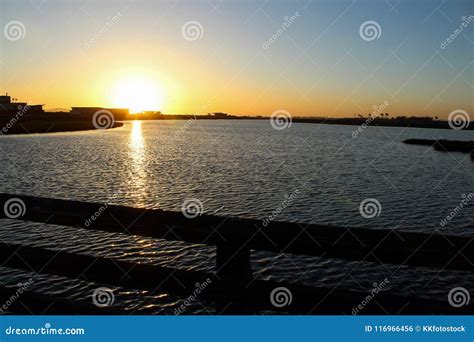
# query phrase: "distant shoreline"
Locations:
[[59, 122], [42, 127], [444, 145], [414, 122]]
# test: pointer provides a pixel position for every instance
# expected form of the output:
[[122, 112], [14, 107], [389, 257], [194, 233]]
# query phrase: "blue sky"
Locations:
[[73, 52]]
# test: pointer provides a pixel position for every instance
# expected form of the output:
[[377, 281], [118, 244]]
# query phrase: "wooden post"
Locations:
[[234, 273]]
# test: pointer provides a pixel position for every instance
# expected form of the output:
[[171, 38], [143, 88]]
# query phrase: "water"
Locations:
[[242, 168]]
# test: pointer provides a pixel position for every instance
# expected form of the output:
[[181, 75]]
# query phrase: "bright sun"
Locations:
[[137, 94]]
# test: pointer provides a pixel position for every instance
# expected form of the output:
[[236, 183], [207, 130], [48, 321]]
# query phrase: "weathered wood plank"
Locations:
[[378, 245], [100, 270], [253, 297]]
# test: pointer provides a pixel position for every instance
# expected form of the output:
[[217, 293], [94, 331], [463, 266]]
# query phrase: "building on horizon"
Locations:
[[118, 113], [7, 106]]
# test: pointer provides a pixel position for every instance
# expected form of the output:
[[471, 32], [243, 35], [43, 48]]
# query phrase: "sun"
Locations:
[[137, 94]]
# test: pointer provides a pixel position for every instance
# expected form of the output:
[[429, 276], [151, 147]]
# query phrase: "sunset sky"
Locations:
[[114, 53]]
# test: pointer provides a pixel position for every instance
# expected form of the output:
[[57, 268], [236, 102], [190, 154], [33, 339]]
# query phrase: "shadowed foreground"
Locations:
[[233, 287]]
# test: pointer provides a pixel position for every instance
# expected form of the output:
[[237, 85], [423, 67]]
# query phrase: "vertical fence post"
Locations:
[[234, 272]]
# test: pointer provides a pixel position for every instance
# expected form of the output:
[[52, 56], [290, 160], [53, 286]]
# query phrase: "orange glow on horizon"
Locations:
[[137, 94]]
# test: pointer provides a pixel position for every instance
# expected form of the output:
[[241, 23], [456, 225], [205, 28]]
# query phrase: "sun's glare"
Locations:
[[137, 94]]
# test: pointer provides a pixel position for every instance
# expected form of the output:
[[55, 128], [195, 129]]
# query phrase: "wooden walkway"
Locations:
[[233, 287]]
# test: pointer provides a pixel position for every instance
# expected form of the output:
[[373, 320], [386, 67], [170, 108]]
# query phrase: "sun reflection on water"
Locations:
[[136, 137], [137, 179]]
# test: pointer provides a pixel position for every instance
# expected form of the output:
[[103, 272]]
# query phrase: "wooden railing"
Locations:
[[233, 287]]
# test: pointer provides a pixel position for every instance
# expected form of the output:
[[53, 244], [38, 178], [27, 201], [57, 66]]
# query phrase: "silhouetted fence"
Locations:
[[233, 287]]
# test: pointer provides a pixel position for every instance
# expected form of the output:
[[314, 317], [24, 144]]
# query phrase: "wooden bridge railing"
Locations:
[[234, 289]]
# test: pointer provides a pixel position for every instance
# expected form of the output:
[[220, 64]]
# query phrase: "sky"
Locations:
[[242, 57]]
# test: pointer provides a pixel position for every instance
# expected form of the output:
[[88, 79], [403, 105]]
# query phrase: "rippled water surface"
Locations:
[[242, 168]]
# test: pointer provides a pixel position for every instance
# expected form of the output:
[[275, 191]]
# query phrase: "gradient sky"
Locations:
[[74, 53]]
